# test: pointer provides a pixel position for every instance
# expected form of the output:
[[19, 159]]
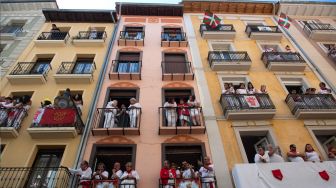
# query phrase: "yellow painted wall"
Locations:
[[21, 151], [286, 128]]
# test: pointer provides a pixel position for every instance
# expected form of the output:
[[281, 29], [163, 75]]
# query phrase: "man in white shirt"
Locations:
[[262, 156], [274, 157], [84, 173], [134, 112], [207, 174], [293, 155]]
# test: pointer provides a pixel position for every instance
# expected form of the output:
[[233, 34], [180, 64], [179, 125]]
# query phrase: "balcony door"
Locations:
[[175, 63], [42, 174], [83, 66], [133, 33], [128, 62], [41, 66]]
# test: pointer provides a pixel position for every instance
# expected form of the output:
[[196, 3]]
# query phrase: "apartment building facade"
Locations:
[[20, 22], [38, 139]]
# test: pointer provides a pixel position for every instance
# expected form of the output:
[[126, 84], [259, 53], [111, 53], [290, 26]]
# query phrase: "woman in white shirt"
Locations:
[[100, 175], [134, 112], [250, 88], [227, 89], [129, 177], [194, 112], [311, 154], [170, 111], [241, 89], [110, 114]]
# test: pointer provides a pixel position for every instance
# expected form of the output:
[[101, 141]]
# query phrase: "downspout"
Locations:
[[310, 62], [87, 128]]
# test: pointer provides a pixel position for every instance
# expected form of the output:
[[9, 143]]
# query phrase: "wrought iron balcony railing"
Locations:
[[54, 36], [117, 119], [121, 68], [132, 35], [12, 117], [205, 182], [319, 26], [28, 177], [261, 29], [11, 29], [91, 35], [31, 68], [172, 68], [173, 36], [219, 28], [77, 68], [126, 183], [228, 56], [285, 57], [311, 102]]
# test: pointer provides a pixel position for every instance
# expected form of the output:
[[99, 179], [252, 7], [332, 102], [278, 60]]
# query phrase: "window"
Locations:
[[2, 147], [250, 139], [270, 47], [294, 84], [111, 154], [122, 96], [45, 158], [175, 63], [128, 62], [235, 80], [41, 66], [133, 33], [13, 26], [221, 46], [172, 34], [2, 47], [83, 66], [327, 46], [177, 94], [326, 138], [254, 22], [177, 153], [313, 23]]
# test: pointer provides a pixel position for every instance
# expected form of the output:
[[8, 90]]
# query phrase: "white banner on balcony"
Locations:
[[294, 175], [252, 101]]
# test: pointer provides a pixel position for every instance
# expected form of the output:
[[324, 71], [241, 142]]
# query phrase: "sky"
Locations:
[[110, 4]]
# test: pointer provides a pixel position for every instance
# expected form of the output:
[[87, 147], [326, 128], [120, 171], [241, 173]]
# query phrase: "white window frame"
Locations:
[[253, 131], [321, 45], [278, 44], [232, 79], [210, 43], [254, 22], [294, 80], [302, 24], [320, 147]]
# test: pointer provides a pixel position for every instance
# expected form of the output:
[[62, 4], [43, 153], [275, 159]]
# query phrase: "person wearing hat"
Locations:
[[293, 155], [134, 112]]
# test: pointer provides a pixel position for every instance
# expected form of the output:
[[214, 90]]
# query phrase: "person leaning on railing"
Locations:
[[134, 112], [116, 175], [101, 174], [170, 112], [194, 111], [207, 174], [324, 89], [167, 175], [129, 177], [84, 173], [188, 176]]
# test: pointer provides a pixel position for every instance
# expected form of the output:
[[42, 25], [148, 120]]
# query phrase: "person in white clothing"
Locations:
[[100, 175], [324, 89], [311, 154], [241, 89], [170, 110], [332, 153], [262, 156], [250, 88], [194, 112], [116, 175], [130, 177], [263, 89], [134, 112], [293, 155], [84, 173], [274, 157], [227, 89], [110, 114], [188, 176], [207, 174]]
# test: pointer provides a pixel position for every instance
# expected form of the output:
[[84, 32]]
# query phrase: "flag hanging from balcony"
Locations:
[[284, 20], [211, 19], [252, 101], [62, 117]]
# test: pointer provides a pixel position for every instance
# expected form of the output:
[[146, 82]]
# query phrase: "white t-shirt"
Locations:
[[241, 91], [258, 158], [105, 173], [275, 158], [295, 159], [84, 175], [133, 173], [313, 156]]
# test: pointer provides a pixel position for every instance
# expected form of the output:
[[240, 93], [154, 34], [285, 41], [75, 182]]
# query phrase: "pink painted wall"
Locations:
[[148, 154]]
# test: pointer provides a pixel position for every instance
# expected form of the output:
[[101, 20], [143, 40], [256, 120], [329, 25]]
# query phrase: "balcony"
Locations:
[[10, 121], [127, 183], [29, 73], [229, 61], [312, 106], [247, 106], [173, 39], [260, 32], [131, 38], [52, 39], [170, 123], [176, 71], [56, 122], [206, 182], [90, 38], [221, 32], [9, 32], [75, 72], [34, 177], [125, 70], [283, 61], [293, 174], [321, 32], [114, 121]]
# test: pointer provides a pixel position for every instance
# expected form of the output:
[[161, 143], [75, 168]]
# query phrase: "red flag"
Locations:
[[324, 175], [211, 19], [277, 174], [284, 20], [58, 116]]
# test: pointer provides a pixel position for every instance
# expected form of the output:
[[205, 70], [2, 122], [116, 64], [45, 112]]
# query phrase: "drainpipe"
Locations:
[[89, 120], [310, 62]]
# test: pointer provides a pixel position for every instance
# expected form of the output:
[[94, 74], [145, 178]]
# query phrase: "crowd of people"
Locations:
[[186, 176], [122, 117], [229, 89], [13, 110], [185, 113], [270, 155], [102, 178]]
